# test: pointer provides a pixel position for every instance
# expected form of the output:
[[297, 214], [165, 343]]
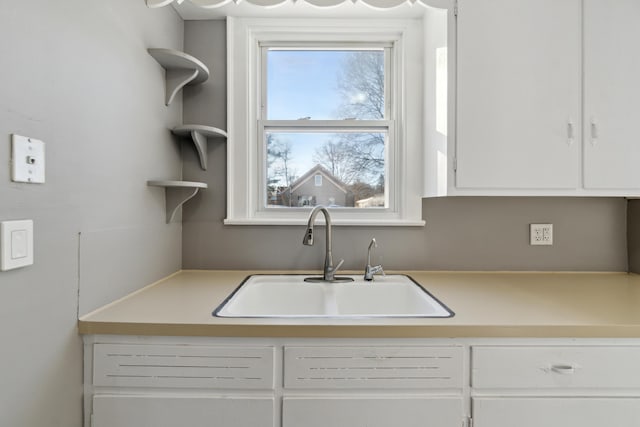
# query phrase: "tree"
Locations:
[[353, 157], [361, 84], [280, 175], [358, 156]]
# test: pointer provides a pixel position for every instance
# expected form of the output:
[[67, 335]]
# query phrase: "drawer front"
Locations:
[[372, 367], [179, 366], [555, 367]]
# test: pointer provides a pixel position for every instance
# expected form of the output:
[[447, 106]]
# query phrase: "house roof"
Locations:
[[318, 169]]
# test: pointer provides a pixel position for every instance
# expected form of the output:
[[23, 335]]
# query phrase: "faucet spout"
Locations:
[[329, 270], [369, 270]]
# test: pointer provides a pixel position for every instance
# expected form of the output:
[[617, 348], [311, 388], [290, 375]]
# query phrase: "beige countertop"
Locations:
[[495, 304]]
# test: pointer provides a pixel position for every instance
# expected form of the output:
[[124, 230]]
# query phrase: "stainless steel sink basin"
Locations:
[[291, 296]]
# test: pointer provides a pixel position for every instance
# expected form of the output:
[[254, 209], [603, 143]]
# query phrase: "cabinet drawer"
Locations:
[[180, 366], [372, 367], [555, 367]]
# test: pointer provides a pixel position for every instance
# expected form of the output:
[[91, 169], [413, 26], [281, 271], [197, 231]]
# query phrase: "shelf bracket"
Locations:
[[176, 197], [200, 134], [176, 194], [176, 80], [200, 141], [181, 69]]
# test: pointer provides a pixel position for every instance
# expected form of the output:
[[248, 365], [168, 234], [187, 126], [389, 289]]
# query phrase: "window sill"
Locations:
[[335, 222]]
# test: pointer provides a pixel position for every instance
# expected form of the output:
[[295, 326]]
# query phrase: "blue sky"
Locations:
[[303, 84]]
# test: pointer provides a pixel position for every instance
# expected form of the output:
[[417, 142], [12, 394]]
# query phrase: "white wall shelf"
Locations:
[[177, 193], [199, 134], [182, 69]]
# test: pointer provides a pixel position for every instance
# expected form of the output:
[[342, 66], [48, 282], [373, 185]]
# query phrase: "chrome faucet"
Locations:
[[329, 270], [370, 270]]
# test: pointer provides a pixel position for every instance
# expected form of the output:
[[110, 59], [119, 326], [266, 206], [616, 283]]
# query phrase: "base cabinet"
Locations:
[[174, 411], [341, 382], [373, 385], [556, 412]]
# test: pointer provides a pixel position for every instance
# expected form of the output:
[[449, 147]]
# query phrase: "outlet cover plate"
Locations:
[[541, 234], [27, 159]]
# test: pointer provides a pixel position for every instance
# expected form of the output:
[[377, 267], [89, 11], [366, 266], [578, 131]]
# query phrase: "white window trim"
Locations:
[[243, 60]]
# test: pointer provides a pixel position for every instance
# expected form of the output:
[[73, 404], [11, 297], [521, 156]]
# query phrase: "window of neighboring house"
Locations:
[[324, 112]]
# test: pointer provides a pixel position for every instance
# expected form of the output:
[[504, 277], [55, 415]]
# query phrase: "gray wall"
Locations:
[[461, 233], [633, 235], [76, 74]]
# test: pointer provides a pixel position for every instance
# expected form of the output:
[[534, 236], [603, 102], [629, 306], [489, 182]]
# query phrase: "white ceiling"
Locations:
[[298, 9]]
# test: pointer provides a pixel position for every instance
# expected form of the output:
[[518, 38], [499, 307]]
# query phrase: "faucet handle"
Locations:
[[377, 269], [338, 266]]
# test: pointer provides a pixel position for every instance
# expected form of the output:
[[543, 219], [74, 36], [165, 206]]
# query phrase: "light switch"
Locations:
[[27, 159], [16, 244]]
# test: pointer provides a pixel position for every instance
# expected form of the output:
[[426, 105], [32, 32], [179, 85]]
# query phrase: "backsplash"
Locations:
[[465, 233], [633, 235]]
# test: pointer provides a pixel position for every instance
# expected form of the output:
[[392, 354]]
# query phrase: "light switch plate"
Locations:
[[16, 244], [27, 159]]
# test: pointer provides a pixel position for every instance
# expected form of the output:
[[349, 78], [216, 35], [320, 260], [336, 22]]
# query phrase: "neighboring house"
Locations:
[[319, 187], [371, 202]]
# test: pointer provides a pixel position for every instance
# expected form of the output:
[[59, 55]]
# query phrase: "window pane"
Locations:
[[325, 84], [340, 169]]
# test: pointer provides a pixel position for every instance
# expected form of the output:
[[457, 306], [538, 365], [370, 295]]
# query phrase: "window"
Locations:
[[324, 108], [319, 113]]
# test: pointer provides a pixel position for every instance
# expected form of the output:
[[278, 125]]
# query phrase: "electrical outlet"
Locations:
[[541, 234]]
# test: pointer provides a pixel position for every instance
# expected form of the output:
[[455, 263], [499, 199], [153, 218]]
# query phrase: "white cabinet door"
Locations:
[[346, 411], [612, 94], [176, 411], [518, 94], [556, 412]]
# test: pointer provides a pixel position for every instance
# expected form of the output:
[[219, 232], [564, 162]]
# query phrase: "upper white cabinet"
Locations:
[[612, 94], [518, 106], [545, 100]]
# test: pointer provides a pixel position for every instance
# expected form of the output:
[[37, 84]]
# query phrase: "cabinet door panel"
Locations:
[[556, 412], [518, 94], [372, 412], [612, 94], [175, 411]]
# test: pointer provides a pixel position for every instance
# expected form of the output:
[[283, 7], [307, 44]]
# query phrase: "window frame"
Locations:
[[246, 171]]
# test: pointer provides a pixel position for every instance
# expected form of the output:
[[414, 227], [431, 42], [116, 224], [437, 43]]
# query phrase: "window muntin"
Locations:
[[315, 99]]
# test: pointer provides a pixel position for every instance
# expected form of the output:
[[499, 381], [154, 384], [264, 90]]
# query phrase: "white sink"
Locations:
[[290, 296]]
